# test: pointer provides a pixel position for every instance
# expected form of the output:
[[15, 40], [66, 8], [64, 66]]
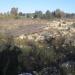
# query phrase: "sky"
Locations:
[[28, 6]]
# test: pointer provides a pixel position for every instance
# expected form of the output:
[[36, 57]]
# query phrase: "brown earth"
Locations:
[[17, 27]]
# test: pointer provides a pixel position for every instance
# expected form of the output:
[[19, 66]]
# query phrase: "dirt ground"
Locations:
[[22, 26], [17, 27]]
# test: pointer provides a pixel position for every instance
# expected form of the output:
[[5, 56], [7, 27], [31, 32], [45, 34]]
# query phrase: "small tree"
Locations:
[[48, 14], [59, 14], [38, 14], [14, 11], [20, 14]]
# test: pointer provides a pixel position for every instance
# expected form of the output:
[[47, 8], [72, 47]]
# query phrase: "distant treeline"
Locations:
[[14, 13]]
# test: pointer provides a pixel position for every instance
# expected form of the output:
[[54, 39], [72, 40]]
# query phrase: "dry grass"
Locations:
[[21, 26]]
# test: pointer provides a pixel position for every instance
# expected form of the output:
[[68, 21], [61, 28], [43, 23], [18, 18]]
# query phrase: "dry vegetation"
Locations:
[[28, 26], [21, 26], [40, 47]]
